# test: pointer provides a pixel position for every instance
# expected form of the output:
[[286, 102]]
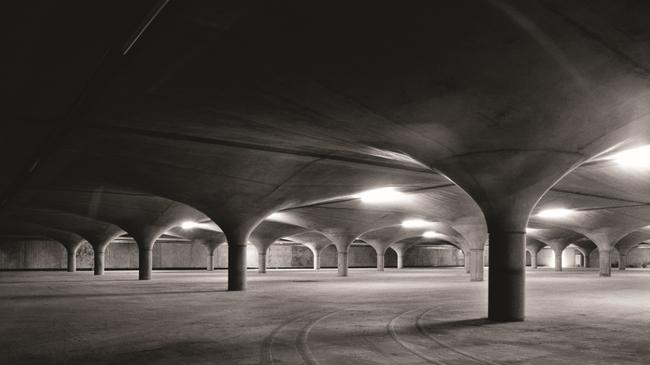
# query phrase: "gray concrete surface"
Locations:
[[412, 316]]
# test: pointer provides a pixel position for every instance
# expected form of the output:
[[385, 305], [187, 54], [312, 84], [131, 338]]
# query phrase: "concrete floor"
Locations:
[[413, 316]]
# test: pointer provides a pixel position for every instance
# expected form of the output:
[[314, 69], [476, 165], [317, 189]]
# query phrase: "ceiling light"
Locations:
[[381, 195], [276, 215], [531, 230], [189, 225], [635, 157], [555, 213], [430, 234], [415, 223]]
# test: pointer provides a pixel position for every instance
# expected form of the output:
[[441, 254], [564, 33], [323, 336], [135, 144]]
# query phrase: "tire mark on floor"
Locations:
[[390, 327], [302, 341], [266, 351], [419, 324]]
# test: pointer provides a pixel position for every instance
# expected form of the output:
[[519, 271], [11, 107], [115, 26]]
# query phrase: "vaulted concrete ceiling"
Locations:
[[230, 111]]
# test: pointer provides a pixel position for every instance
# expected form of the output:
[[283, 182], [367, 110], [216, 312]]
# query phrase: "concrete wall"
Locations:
[[433, 256], [43, 254], [594, 258], [639, 257], [31, 254]]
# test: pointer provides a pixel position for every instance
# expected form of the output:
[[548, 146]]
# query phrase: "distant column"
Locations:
[[533, 260], [316, 260], [605, 262], [145, 263], [261, 262], [622, 262], [400, 261], [99, 262], [210, 263], [476, 265], [558, 260], [343, 263], [72, 259]]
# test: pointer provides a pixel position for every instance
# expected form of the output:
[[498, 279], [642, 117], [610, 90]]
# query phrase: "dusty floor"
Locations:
[[412, 316]]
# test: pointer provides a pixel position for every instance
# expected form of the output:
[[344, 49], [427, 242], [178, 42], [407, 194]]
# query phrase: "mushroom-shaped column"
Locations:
[[507, 183], [533, 246], [380, 249], [146, 237], [99, 234], [99, 241], [206, 234], [606, 239], [265, 234], [475, 235], [70, 241], [316, 242], [210, 248], [237, 236], [628, 243], [342, 239], [558, 249], [400, 249]]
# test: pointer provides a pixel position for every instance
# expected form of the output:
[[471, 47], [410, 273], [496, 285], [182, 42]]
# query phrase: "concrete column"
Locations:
[[261, 262], [210, 264], [72, 259], [145, 263], [533, 259], [605, 263], [466, 259], [236, 267], [585, 260], [316, 260], [558, 260], [507, 270], [622, 262], [476, 265], [343, 263], [99, 263], [380, 262], [400, 261]]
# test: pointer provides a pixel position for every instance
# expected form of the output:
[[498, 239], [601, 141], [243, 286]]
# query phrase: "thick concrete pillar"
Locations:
[[145, 263], [533, 260], [585, 260], [72, 259], [506, 293], [466, 262], [476, 265], [343, 263], [98, 268], [558, 260], [605, 263], [622, 262], [380, 262], [210, 263], [400, 261], [316, 260], [236, 267], [261, 262]]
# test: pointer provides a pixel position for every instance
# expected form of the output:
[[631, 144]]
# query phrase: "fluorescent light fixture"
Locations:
[[275, 215], [531, 230], [430, 234], [415, 223], [189, 225], [635, 157], [555, 213], [381, 195]]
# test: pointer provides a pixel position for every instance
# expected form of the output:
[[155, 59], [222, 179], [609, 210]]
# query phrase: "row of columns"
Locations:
[[473, 263]]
